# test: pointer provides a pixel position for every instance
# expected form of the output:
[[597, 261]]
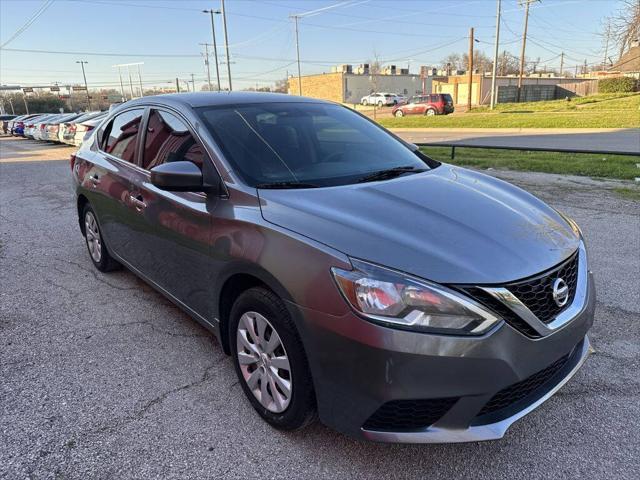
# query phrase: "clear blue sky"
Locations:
[[165, 36]]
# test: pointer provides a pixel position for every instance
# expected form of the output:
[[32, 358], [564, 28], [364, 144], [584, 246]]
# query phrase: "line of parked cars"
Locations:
[[69, 128]]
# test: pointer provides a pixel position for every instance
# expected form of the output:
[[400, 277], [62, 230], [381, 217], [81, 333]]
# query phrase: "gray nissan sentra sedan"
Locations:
[[349, 276]]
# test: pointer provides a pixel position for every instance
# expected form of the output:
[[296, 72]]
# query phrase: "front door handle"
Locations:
[[95, 179], [138, 202]]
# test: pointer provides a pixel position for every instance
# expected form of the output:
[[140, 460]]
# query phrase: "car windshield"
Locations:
[[304, 143]]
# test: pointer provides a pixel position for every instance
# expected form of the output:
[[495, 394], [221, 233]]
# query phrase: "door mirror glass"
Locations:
[[180, 176]]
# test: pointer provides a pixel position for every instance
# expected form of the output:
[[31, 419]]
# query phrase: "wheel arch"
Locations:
[[82, 201], [235, 280]]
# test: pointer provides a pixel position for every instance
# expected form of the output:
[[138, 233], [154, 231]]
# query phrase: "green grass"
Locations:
[[628, 193], [604, 166], [616, 110]]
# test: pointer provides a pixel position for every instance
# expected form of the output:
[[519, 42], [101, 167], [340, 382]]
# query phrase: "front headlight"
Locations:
[[395, 299]]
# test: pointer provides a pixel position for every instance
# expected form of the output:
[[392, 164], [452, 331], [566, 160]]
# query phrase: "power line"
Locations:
[[29, 22]]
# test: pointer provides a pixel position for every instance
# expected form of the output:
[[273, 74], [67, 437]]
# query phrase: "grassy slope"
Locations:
[[596, 111], [607, 166]]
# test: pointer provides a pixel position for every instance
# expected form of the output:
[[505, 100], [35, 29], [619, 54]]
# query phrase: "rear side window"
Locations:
[[121, 135], [168, 139]]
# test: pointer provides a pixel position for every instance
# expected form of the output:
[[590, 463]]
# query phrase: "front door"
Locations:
[[174, 228]]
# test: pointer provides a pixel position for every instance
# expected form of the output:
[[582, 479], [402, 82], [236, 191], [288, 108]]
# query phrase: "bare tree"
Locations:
[[456, 61], [625, 25]]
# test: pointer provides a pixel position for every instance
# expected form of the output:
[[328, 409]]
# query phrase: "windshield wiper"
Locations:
[[390, 173], [275, 185]]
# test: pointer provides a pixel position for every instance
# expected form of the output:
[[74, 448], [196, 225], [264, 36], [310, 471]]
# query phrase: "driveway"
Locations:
[[102, 377], [604, 139]]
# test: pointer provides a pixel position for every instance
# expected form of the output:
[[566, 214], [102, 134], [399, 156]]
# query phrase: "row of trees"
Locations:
[[16, 103]]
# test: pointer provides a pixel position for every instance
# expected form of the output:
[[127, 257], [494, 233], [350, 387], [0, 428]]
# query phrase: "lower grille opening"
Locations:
[[512, 398], [409, 415]]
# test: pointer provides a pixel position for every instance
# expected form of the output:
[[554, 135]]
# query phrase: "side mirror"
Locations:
[[182, 176]]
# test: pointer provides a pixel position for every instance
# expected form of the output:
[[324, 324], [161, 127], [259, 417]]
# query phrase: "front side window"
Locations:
[[323, 145], [168, 139], [121, 135]]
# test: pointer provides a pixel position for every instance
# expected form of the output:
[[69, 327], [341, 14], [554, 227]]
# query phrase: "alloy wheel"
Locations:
[[92, 235], [264, 362]]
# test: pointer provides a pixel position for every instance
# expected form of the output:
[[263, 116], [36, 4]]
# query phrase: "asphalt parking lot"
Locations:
[[101, 377]]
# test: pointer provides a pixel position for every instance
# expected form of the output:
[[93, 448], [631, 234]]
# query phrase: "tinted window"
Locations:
[[302, 142], [121, 135], [168, 140]]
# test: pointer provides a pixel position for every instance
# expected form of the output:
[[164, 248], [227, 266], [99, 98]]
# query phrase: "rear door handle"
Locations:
[[138, 202], [95, 179]]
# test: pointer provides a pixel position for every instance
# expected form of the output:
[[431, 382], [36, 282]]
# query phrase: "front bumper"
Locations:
[[358, 367]]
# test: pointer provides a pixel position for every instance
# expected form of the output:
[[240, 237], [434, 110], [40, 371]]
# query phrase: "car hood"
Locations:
[[449, 225]]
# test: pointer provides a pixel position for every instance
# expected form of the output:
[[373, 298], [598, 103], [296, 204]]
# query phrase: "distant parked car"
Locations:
[[16, 126], [52, 127], [5, 119], [33, 123], [379, 99], [84, 128], [434, 104], [399, 98], [67, 130]]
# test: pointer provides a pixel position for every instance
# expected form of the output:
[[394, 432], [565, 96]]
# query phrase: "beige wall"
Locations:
[[327, 86]]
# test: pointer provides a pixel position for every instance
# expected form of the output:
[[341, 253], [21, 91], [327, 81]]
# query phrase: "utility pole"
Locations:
[[226, 42], [470, 72], [130, 82], [13, 112], [524, 42], [82, 63], [24, 99], [206, 62], [295, 18], [561, 62], [215, 46], [495, 57], [193, 83], [177, 85]]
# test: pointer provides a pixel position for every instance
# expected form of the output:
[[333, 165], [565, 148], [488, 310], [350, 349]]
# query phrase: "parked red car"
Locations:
[[434, 104]]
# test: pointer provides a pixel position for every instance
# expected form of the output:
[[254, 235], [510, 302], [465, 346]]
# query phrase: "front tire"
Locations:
[[270, 361], [365, 102], [430, 112], [399, 113], [98, 252]]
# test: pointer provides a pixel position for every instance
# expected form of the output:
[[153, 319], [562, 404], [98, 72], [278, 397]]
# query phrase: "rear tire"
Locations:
[[270, 360], [399, 113], [430, 112], [365, 102], [380, 104], [98, 251]]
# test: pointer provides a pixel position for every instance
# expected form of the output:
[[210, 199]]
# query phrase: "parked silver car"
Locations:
[[348, 275]]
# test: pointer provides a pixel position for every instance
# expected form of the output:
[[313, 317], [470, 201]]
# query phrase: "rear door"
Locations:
[[107, 180], [174, 229]]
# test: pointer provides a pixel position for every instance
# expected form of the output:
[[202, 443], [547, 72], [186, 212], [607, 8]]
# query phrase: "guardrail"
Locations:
[[453, 147]]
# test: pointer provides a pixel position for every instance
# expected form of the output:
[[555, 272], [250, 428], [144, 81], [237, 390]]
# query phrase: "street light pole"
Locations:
[[206, 62], [124, 96], [82, 63], [140, 81], [494, 70], [215, 45], [226, 42]]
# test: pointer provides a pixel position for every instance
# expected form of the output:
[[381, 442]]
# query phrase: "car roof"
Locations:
[[206, 99]]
